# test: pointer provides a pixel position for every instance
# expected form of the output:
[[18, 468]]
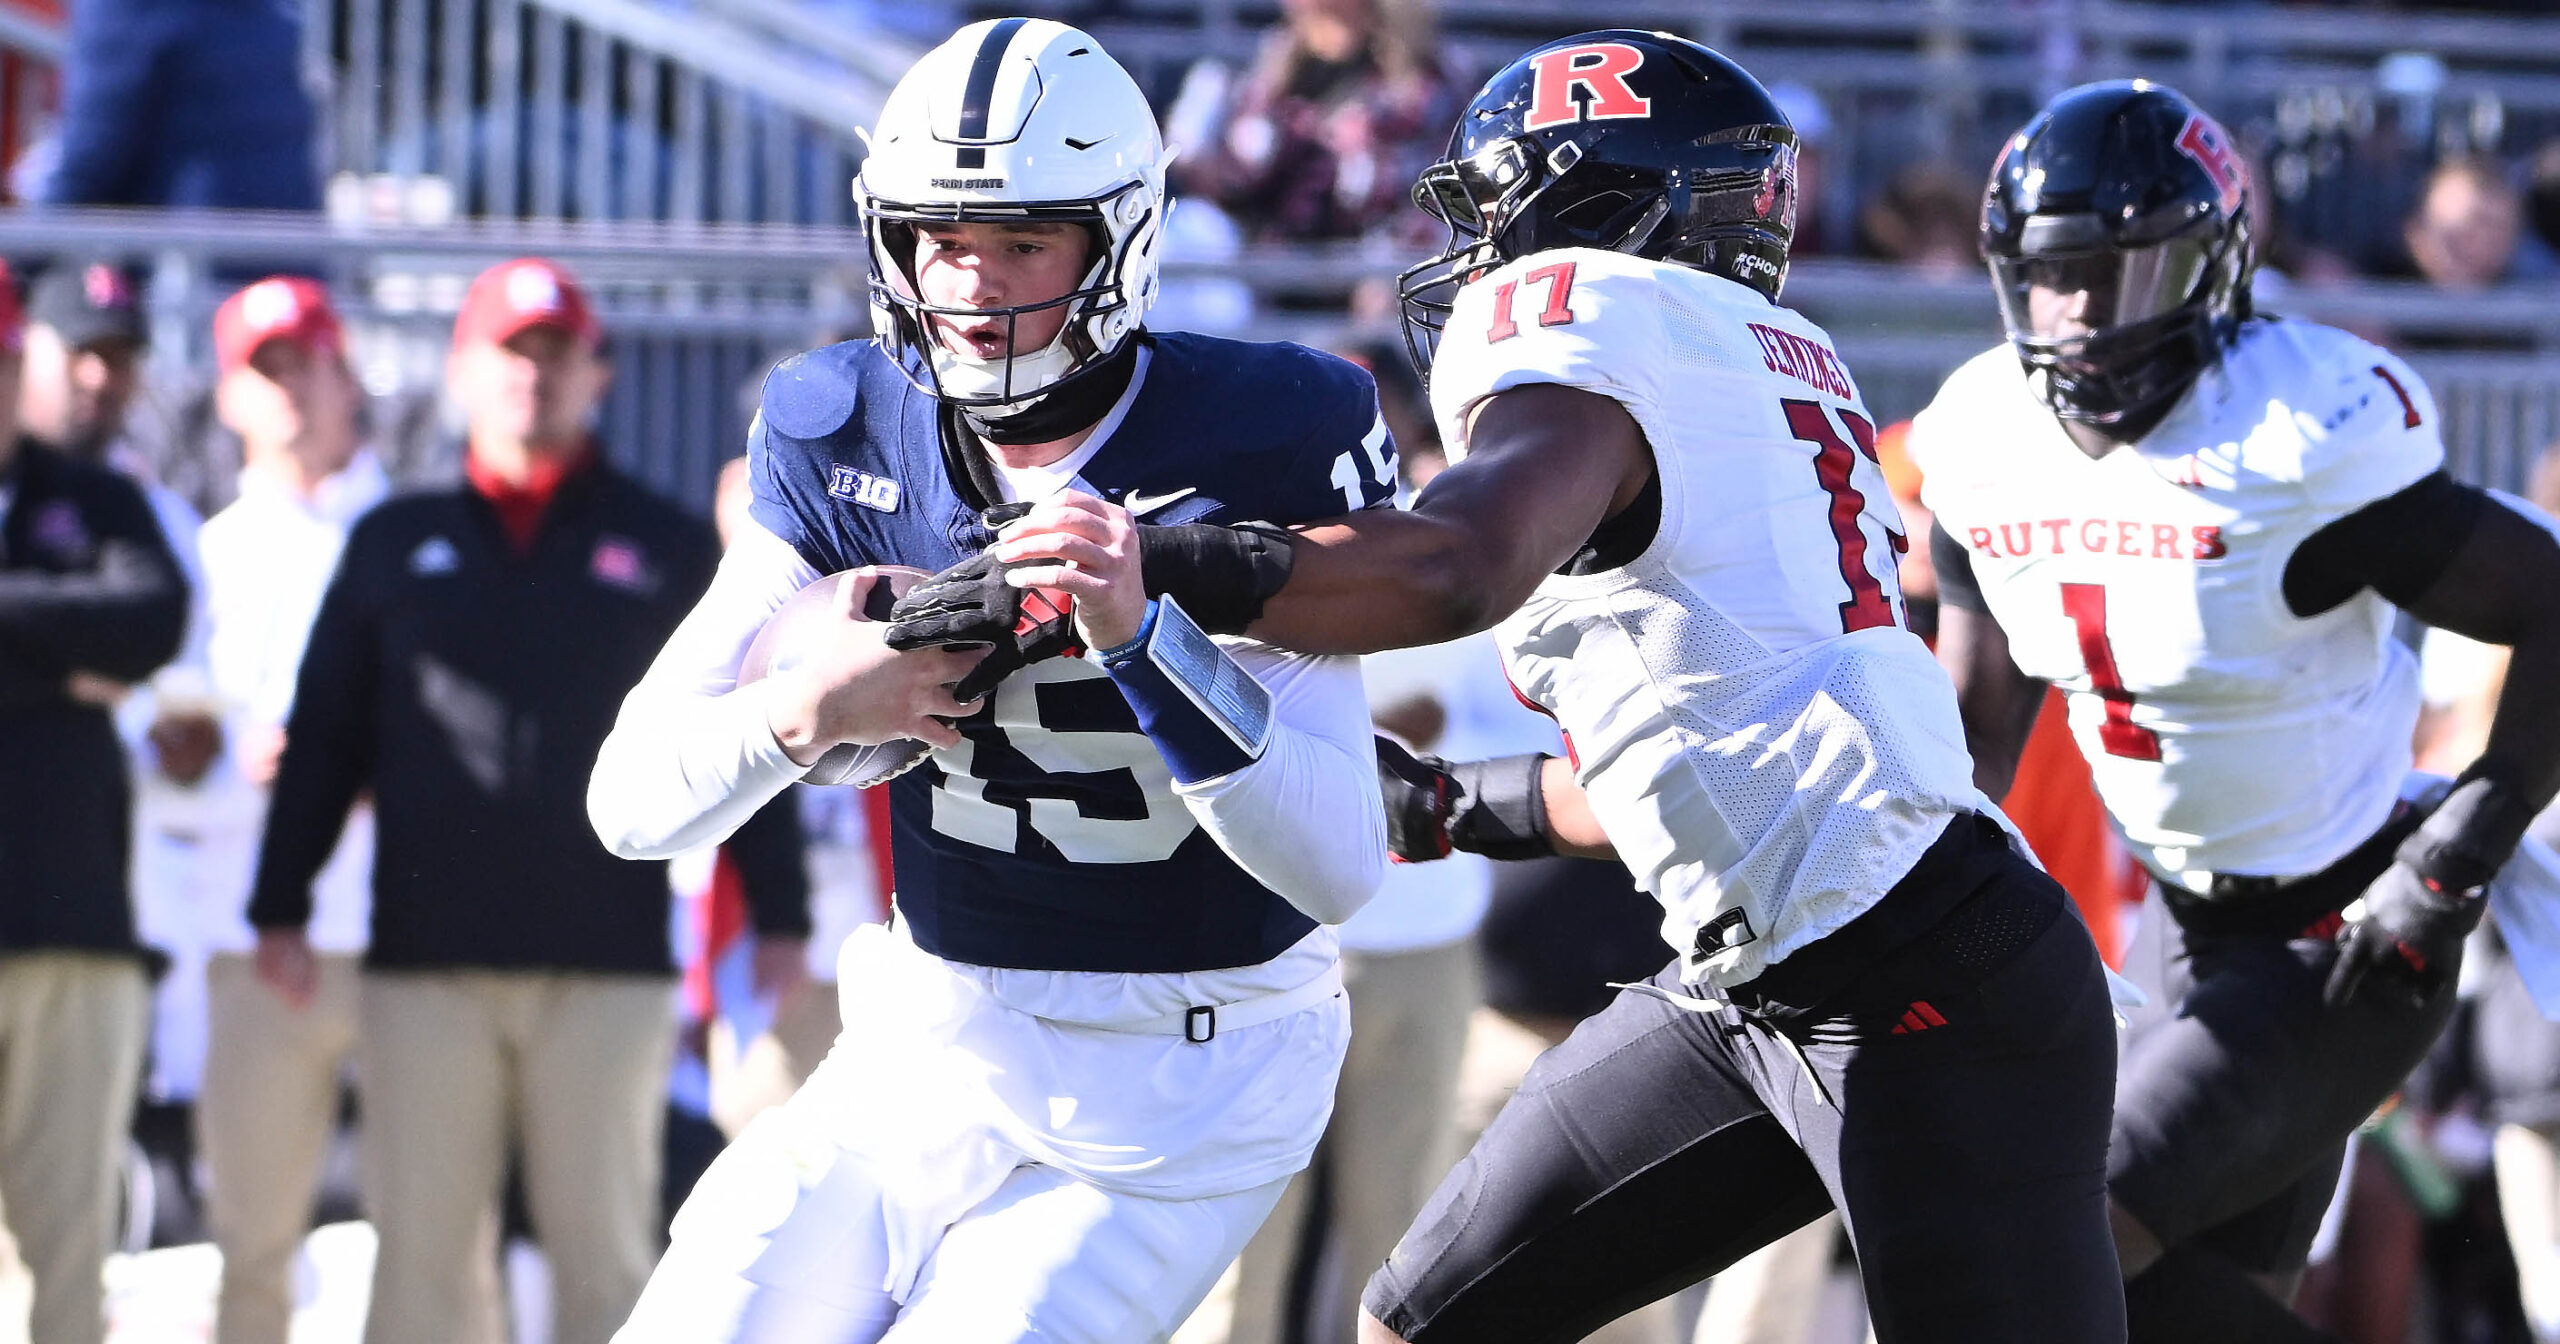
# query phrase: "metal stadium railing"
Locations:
[[602, 109]]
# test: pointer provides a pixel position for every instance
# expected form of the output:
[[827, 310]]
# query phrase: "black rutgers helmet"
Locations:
[[2117, 229], [1633, 142]]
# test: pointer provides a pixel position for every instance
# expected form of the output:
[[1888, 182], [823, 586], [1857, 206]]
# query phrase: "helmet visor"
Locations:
[[2064, 296], [1471, 194]]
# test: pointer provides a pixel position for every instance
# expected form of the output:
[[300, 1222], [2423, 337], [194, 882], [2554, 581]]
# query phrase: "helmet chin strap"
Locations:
[[967, 376], [1075, 403]]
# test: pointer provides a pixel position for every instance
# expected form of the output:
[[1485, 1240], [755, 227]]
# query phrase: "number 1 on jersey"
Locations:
[[2086, 605], [1867, 606]]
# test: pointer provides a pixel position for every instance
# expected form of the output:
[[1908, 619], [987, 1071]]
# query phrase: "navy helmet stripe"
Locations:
[[981, 88]]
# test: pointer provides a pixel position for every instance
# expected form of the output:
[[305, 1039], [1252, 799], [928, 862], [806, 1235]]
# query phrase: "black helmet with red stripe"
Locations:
[[1633, 142], [2117, 228]]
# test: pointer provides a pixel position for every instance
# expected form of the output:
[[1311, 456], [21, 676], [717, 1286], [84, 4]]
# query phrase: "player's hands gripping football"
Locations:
[[1086, 548], [972, 603], [851, 686]]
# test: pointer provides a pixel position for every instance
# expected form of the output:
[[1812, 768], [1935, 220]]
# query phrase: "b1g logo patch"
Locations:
[[2203, 140], [1600, 70], [865, 489]]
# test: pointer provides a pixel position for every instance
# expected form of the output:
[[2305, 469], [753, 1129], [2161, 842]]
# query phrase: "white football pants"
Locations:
[[785, 1242]]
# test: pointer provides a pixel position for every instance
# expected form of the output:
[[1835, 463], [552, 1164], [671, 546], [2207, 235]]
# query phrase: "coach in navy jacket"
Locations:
[[90, 600], [466, 664]]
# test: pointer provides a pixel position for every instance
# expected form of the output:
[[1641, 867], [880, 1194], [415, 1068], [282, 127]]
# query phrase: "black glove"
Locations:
[[2418, 912], [2409, 940], [970, 603], [1220, 575], [1496, 808]]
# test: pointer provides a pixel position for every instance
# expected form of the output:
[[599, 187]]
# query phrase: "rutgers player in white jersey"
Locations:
[[1664, 490], [2198, 525]]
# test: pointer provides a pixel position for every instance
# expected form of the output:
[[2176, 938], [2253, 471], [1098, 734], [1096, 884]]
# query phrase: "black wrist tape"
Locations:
[[2470, 835], [1220, 575], [1501, 808]]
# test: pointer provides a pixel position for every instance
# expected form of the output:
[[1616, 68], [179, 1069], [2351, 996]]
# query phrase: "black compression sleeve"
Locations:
[[1956, 585], [2396, 546]]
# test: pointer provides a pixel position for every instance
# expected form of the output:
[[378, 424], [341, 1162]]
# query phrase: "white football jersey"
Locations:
[[1765, 744], [2225, 733]]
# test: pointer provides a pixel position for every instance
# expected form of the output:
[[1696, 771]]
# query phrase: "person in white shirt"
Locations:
[[281, 1031]]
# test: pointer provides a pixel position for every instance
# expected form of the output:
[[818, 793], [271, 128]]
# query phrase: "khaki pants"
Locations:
[[263, 1123], [573, 1069], [1387, 1145], [746, 1082], [71, 1034]]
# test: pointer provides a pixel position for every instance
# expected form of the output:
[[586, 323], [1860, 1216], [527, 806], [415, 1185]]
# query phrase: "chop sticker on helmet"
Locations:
[[2205, 142], [1601, 69]]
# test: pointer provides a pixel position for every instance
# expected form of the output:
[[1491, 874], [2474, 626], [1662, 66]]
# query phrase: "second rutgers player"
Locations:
[[2199, 524]]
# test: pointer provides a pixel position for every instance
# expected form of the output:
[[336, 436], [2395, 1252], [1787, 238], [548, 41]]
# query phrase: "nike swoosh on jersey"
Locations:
[[1140, 504]]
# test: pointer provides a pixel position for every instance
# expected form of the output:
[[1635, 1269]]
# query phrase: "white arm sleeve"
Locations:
[[1305, 819], [692, 755]]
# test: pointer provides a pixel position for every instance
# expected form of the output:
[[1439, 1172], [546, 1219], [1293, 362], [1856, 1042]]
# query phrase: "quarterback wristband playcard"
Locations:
[[1205, 712]]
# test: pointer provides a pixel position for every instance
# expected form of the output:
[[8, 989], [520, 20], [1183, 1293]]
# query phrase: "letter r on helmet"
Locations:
[[1601, 69]]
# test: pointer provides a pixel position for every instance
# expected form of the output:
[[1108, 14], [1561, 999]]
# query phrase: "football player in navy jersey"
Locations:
[[1103, 1029]]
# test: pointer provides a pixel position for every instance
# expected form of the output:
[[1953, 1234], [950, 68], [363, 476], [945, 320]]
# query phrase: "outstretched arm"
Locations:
[[1545, 465]]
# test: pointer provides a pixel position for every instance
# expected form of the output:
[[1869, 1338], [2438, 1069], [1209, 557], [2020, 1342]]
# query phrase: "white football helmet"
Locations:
[[1013, 120]]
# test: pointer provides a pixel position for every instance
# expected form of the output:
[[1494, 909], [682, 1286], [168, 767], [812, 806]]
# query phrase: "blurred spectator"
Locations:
[[774, 1024], [2463, 233], [2285, 258], [1817, 222], [84, 352], [185, 103], [2542, 207], [1928, 218], [85, 342], [465, 666], [1323, 138], [744, 960], [272, 1066], [90, 599]]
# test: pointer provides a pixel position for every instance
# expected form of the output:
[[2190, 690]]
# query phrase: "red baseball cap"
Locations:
[[280, 307], [527, 292]]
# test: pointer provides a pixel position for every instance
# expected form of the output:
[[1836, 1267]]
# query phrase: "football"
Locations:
[[796, 628]]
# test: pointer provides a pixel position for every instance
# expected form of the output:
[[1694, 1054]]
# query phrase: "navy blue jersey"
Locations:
[[1051, 837]]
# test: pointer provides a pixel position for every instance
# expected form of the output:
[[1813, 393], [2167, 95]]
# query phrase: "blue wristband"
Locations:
[[1120, 653], [1207, 716]]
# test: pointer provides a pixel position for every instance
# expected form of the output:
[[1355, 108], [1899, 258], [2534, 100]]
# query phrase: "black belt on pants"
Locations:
[[2278, 907]]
